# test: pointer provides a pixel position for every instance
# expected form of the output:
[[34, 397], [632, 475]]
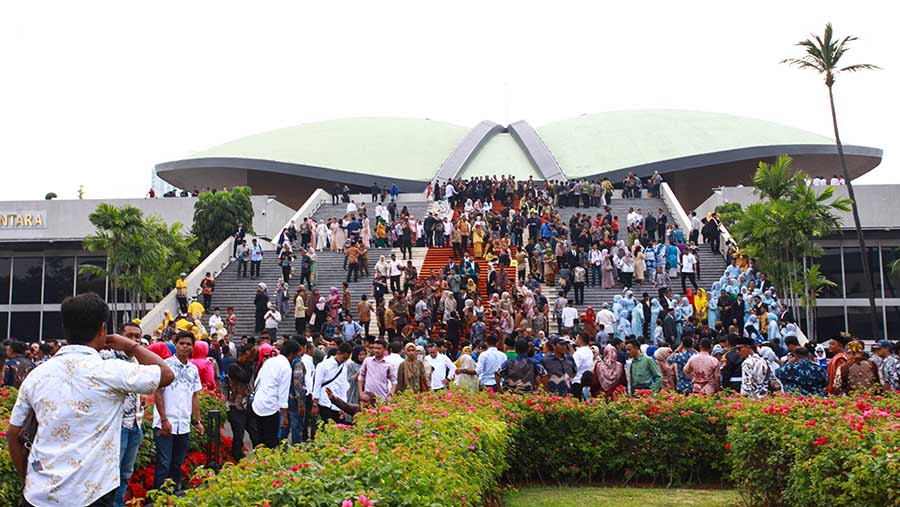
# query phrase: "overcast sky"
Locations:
[[97, 93]]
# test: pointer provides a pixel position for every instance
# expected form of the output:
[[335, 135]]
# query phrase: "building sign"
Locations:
[[23, 219]]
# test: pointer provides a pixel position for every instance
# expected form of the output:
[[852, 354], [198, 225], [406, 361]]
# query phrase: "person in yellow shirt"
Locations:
[[181, 293], [478, 240], [195, 310]]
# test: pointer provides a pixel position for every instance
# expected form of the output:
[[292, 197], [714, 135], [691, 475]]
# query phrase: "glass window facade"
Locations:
[[890, 255], [51, 326], [88, 282], [26, 282], [854, 279], [38, 284], [25, 326], [831, 266], [829, 321], [5, 265], [59, 278]]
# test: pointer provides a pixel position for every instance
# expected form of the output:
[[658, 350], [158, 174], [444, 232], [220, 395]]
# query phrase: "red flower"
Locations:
[[727, 446], [820, 441]]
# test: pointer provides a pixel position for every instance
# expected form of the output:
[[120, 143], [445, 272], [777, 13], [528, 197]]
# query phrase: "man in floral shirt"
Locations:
[[680, 358], [802, 376], [890, 365], [755, 370]]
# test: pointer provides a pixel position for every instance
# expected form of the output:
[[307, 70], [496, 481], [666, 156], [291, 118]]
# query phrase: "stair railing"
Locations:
[[678, 213]]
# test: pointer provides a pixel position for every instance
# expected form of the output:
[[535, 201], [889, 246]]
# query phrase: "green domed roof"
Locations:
[[404, 148], [603, 142]]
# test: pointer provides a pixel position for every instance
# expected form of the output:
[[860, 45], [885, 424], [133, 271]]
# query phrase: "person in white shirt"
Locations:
[[176, 408], [396, 271], [308, 348], [351, 208], [696, 225], [332, 374], [584, 361], [595, 259], [442, 368], [606, 318], [78, 463], [835, 181], [271, 393], [273, 319], [688, 268], [394, 358], [214, 319], [568, 315]]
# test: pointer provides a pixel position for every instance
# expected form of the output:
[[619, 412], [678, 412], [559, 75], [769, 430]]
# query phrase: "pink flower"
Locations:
[[347, 503], [365, 501]]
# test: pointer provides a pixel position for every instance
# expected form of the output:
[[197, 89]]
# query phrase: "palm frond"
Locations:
[[860, 66]]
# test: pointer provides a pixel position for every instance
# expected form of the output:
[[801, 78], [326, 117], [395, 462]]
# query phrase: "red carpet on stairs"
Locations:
[[439, 257]]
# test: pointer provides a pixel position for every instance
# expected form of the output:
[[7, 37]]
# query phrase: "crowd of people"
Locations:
[[435, 331]]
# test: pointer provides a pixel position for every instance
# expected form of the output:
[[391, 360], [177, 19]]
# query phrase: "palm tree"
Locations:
[[823, 55]]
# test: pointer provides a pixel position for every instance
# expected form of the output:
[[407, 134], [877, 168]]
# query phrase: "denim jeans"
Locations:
[[130, 443], [170, 454], [297, 423]]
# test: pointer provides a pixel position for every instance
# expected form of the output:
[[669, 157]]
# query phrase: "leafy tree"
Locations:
[[728, 213], [779, 230], [216, 215], [823, 55], [144, 255], [813, 282]]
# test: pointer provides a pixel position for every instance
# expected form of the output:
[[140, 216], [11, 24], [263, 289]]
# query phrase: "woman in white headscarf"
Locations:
[[383, 267], [366, 232], [321, 236]]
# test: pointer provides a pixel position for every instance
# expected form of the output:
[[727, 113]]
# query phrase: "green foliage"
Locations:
[[729, 213], [147, 450], [10, 486], [779, 230], [824, 53], [808, 452], [145, 255], [216, 215]]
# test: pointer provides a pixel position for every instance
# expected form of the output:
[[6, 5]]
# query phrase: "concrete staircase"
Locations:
[[711, 265]]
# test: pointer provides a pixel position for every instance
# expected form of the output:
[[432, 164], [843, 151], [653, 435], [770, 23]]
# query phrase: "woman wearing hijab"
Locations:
[[637, 320], [712, 305], [608, 374], [160, 349], [628, 302], [466, 376], [655, 309], [669, 371], [204, 366], [335, 304], [623, 328], [607, 279], [265, 351], [320, 313], [640, 263]]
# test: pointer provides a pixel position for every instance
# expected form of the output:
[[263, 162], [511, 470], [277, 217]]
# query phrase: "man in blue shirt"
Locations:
[[560, 368], [350, 328], [489, 362], [522, 373]]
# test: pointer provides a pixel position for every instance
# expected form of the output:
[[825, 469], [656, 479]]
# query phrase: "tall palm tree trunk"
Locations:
[[864, 255]]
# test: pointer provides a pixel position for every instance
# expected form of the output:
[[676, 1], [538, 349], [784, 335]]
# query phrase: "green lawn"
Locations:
[[620, 497]]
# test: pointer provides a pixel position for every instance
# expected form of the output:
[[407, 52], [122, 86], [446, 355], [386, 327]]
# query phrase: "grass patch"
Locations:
[[621, 497]]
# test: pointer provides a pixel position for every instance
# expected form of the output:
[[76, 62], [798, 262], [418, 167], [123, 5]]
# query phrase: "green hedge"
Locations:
[[457, 449]]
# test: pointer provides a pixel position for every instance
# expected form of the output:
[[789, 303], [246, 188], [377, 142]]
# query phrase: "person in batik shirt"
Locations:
[[801, 375]]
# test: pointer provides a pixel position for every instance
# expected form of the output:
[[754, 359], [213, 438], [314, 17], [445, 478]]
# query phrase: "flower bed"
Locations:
[[142, 480], [457, 449]]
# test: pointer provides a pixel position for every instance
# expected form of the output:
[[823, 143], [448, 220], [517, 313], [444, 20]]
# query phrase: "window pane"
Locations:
[[59, 278], [26, 280], [51, 327], [25, 326], [829, 322], [893, 322], [860, 323], [830, 263], [4, 281], [889, 255], [853, 272], [4, 324], [89, 282]]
